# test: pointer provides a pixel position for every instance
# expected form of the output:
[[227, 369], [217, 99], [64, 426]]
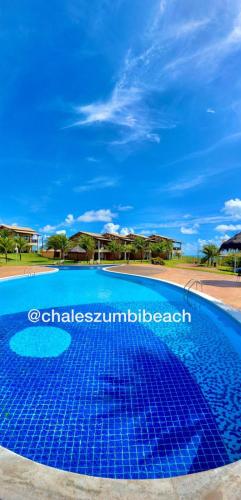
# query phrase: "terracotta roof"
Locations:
[[87, 233], [129, 237], [18, 229]]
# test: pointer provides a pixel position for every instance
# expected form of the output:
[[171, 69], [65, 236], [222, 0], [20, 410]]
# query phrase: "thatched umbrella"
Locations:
[[75, 252], [233, 243]]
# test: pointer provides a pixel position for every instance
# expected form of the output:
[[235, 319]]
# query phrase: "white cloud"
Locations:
[[62, 231], [100, 182], [126, 230], [101, 215], [216, 240], [233, 208], [211, 111], [228, 227], [111, 228], [48, 229], [173, 44], [115, 228], [125, 109], [69, 219], [190, 230]]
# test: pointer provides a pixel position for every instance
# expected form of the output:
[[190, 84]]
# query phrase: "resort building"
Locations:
[[27, 233], [102, 251]]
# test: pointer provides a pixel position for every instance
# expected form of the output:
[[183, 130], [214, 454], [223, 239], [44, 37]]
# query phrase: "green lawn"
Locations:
[[31, 259], [28, 259], [180, 264]]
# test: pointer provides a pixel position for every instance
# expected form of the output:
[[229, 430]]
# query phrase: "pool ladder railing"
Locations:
[[26, 271], [191, 283]]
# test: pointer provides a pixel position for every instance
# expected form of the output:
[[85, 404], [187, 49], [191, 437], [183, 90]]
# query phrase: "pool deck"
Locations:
[[11, 271], [222, 287], [22, 478]]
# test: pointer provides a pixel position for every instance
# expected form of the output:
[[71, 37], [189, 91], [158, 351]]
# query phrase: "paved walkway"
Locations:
[[225, 288], [6, 271]]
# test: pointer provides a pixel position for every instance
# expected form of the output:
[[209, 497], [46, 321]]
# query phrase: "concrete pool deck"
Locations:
[[222, 287], [11, 271], [23, 478]]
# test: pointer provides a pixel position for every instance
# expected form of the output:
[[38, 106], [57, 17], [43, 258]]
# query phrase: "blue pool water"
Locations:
[[118, 400]]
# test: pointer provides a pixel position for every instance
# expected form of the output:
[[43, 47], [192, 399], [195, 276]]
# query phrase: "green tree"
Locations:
[[88, 244], [210, 251], [6, 244], [162, 248], [116, 248], [141, 246], [58, 242], [128, 249], [21, 245]]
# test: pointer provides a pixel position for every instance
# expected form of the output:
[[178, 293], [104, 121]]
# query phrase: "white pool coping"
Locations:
[[28, 275], [235, 313]]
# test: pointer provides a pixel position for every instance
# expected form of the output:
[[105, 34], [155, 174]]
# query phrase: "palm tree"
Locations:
[[128, 249], [6, 245], [21, 245], [58, 242], [210, 251], [116, 248], [141, 246], [88, 243]]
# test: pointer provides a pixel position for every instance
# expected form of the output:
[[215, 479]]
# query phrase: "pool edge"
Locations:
[[21, 477]]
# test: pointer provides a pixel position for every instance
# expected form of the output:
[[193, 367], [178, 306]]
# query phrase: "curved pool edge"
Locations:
[[28, 275], [24, 478], [231, 311], [21, 477]]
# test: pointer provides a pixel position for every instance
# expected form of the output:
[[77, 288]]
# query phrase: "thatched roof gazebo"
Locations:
[[76, 253], [233, 243]]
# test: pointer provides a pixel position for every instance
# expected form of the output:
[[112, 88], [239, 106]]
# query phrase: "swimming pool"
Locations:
[[118, 400]]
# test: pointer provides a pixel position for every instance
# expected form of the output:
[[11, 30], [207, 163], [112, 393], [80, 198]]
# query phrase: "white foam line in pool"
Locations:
[[235, 313]]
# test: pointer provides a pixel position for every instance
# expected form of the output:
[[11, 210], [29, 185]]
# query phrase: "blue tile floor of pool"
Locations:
[[116, 403]]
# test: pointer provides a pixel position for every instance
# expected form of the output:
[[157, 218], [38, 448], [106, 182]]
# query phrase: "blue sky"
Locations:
[[122, 116]]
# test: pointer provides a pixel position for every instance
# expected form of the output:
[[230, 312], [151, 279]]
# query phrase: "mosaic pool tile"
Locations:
[[125, 400]]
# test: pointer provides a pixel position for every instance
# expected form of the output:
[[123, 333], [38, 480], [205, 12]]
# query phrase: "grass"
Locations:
[[28, 259], [180, 264], [33, 259]]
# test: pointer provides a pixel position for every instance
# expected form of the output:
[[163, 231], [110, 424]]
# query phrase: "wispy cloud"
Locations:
[[143, 71], [228, 227], [124, 208], [125, 109], [230, 212], [227, 139], [92, 159], [185, 184], [100, 182], [156, 58]]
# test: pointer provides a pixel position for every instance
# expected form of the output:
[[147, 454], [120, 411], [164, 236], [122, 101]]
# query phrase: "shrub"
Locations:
[[159, 261]]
